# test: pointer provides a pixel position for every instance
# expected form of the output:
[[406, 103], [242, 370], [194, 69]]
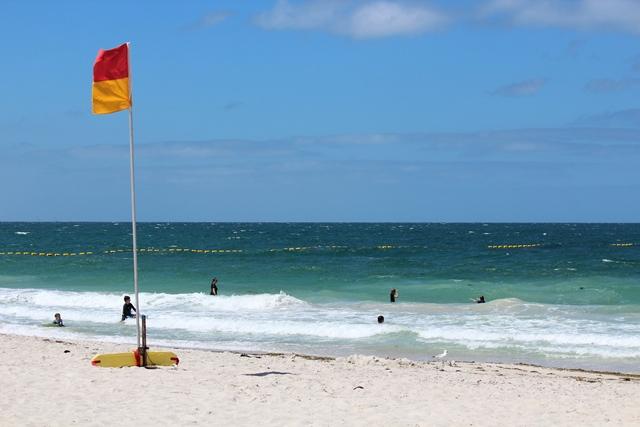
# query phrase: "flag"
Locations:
[[111, 88]]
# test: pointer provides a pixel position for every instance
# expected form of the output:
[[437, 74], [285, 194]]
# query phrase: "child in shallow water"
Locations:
[[127, 308], [57, 320]]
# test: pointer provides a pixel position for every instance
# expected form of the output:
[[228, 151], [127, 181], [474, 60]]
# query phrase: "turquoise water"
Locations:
[[572, 300]]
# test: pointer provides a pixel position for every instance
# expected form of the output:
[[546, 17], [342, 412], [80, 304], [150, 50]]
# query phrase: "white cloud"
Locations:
[[357, 19], [612, 85], [524, 88], [208, 20], [305, 16], [622, 119], [363, 19], [383, 18], [622, 15]]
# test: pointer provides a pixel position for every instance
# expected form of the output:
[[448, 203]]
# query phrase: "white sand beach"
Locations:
[[45, 382]]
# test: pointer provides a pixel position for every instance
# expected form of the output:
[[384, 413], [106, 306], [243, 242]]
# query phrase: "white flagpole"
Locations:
[[133, 203]]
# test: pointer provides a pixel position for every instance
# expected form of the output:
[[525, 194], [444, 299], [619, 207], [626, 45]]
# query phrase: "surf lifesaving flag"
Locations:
[[111, 87]]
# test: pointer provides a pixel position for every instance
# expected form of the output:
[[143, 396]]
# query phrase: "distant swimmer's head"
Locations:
[[57, 315], [126, 298], [380, 319]]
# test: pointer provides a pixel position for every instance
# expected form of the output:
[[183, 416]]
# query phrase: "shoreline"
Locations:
[[312, 356], [319, 357], [48, 381]]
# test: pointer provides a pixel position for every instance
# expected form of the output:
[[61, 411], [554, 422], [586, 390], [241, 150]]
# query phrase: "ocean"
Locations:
[[562, 295]]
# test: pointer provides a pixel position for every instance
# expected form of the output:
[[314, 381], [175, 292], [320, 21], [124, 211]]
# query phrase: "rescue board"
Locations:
[[162, 358], [121, 360], [114, 360]]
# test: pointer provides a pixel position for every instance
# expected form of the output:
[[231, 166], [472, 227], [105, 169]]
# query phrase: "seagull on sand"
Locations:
[[441, 356]]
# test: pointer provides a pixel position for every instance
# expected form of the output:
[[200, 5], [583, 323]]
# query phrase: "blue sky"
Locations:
[[363, 110]]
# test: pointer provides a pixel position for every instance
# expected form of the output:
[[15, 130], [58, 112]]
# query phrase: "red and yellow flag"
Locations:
[[111, 89]]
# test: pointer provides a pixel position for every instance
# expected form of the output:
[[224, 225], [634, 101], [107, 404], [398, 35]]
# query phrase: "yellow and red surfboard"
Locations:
[[132, 358]]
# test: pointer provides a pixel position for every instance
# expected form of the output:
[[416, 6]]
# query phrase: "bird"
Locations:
[[441, 356]]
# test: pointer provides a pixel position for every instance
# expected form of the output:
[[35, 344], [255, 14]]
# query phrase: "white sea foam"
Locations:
[[280, 327], [29, 298], [280, 320], [233, 303], [506, 335]]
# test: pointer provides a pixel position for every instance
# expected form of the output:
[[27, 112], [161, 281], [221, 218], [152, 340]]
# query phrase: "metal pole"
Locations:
[[133, 204], [143, 352]]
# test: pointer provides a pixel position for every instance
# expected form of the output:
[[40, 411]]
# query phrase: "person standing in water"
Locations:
[[480, 300], [393, 295], [214, 286], [127, 308]]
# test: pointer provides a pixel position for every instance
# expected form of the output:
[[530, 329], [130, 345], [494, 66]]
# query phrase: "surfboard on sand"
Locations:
[[114, 360], [162, 358], [132, 358]]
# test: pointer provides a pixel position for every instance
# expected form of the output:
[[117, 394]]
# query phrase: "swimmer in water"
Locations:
[[57, 320], [214, 286]]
